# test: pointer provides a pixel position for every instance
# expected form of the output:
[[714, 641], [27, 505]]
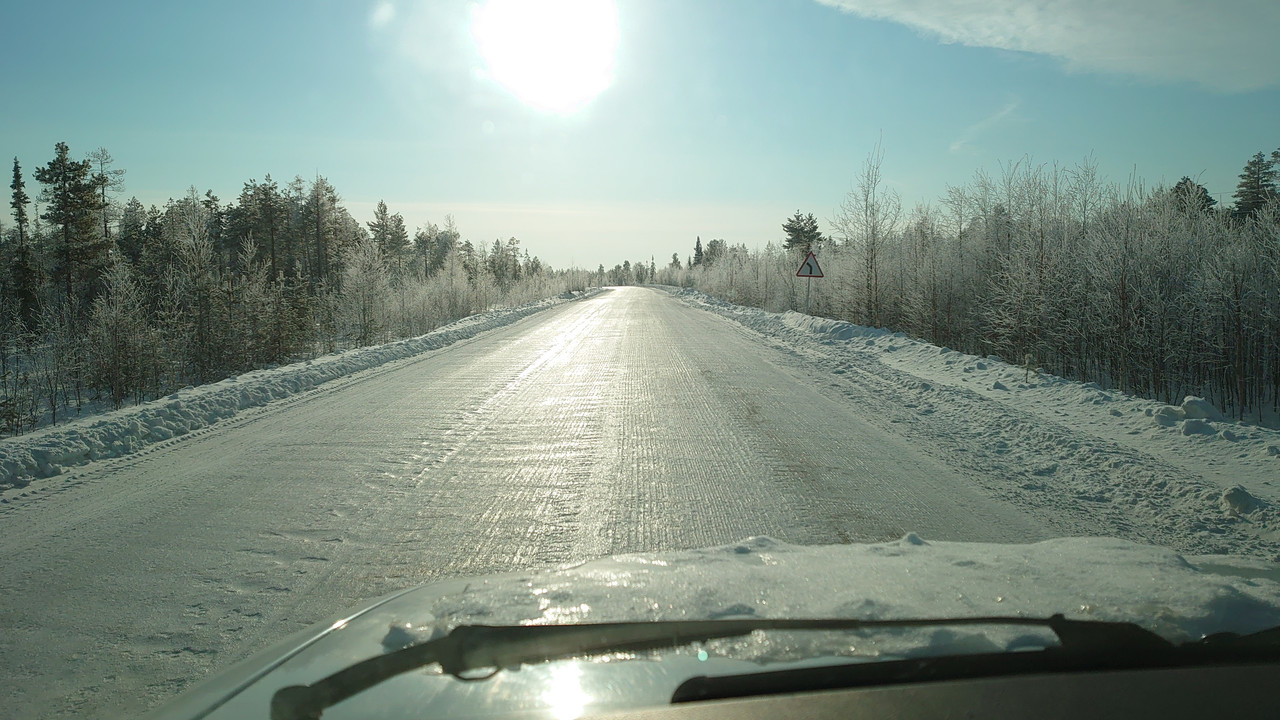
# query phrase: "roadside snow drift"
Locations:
[[1176, 475], [48, 452]]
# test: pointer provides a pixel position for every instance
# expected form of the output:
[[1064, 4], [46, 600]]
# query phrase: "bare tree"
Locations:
[[867, 219]]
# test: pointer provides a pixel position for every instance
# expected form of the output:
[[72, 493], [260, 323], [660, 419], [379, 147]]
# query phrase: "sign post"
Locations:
[[809, 269]]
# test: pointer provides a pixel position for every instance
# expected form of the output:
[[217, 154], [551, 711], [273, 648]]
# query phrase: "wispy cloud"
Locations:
[[971, 133], [1226, 45], [383, 13]]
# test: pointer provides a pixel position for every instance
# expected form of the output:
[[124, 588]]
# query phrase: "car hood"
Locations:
[[1178, 597]]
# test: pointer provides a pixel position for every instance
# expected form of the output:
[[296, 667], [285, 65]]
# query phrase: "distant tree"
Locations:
[[320, 214], [25, 276], [19, 201], [716, 250], [118, 336], [389, 234], [108, 180], [675, 261], [1192, 196], [697, 252], [260, 215], [131, 234], [1257, 186], [72, 207], [802, 233], [867, 219]]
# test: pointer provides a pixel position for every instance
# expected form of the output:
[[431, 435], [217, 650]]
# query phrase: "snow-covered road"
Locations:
[[624, 422]]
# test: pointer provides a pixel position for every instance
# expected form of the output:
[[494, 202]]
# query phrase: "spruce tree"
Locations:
[[25, 277], [1257, 186], [19, 202]]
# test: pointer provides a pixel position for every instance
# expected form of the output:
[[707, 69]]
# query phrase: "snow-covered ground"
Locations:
[[1094, 579], [50, 451], [629, 422], [1180, 476]]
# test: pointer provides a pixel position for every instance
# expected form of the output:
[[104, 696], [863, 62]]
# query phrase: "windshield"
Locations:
[[307, 303]]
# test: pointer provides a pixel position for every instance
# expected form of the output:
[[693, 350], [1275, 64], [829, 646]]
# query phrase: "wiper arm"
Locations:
[[1096, 653], [469, 648]]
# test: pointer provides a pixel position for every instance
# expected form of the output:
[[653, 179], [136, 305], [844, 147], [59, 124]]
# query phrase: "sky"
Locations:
[[597, 131]]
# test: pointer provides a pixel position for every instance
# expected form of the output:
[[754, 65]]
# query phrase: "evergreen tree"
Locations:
[[131, 237], [79, 254], [19, 202], [1192, 196], [1257, 186], [716, 251], [25, 277], [697, 252], [389, 233], [802, 233]]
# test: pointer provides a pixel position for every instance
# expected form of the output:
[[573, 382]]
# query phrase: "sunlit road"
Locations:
[[624, 422]]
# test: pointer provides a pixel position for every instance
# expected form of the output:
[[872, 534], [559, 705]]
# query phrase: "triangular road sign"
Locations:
[[809, 268]]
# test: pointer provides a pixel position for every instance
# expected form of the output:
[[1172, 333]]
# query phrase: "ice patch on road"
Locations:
[[50, 451]]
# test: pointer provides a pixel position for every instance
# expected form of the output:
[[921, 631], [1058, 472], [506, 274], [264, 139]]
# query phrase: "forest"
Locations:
[[1155, 291], [104, 302]]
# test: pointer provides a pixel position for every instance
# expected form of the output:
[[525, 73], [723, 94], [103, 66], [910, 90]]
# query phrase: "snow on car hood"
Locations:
[[1085, 578]]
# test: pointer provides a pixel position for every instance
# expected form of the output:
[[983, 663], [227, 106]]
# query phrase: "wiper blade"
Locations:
[[1219, 649], [470, 648]]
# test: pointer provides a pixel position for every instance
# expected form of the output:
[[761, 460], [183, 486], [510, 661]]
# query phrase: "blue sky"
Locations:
[[722, 117]]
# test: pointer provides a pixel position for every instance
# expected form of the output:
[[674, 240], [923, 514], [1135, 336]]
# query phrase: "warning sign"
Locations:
[[809, 268]]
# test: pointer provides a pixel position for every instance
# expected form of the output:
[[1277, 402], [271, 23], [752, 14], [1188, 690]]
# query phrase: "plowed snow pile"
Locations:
[[1175, 475]]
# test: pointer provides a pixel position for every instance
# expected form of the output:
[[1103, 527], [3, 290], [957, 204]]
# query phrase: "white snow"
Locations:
[[49, 452], [1179, 597], [1162, 471]]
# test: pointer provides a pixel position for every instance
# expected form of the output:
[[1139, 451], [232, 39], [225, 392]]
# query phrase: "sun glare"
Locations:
[[555, 55]]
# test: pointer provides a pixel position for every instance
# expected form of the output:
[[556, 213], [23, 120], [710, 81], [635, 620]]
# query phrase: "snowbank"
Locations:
[[1102, 461], [51, 451]]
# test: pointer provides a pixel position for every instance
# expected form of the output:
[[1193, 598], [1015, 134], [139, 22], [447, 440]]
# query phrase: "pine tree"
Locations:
[[1257, 186], [802, 233], [697, 252], [73, 206]]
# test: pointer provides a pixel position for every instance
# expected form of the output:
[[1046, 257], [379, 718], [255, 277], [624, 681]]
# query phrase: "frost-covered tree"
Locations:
[[1192, 196], [121, 348], [867, 219], [365, 286], [109, 180]]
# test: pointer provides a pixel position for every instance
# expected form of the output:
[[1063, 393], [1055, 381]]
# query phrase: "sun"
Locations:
[[555, 55]]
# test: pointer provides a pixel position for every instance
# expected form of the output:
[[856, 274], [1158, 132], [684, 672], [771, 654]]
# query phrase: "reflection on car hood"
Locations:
[[1088, 578]]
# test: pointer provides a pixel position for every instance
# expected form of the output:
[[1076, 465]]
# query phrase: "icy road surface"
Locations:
[[625, 422]]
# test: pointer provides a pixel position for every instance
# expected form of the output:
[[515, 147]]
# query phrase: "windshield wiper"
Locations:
[[471, 648], [1093, 653]]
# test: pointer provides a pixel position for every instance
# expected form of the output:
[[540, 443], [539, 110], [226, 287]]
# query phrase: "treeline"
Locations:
[[1156, 292], [109, 301]]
